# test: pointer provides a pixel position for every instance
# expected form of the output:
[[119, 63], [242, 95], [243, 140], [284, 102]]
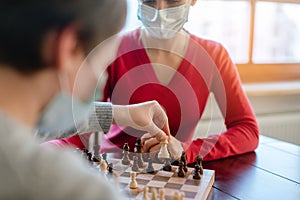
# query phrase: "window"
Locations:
[[262, 36], [277, 33]]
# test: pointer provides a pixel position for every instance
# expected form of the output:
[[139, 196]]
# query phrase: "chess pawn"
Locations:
[[96, 159], [150, 168], [183, 159], [103, 169], [125, 158], [196, 172], [89, 156], [181, 172], [167, 165], [139, 146], [176, 196], [161, 194], [199, 162], [146, 193], [163, 153], [104, 157], [140, 160], [135, 166], [181, 196], [154, 194], [110, 168], [133, 183]]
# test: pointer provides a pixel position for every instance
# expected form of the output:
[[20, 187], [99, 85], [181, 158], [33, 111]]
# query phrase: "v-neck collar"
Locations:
[[181, 69]]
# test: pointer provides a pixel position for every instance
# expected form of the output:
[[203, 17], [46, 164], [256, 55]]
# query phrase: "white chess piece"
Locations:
[[103, 169], [163, 153], [181, 196], [176, 196], [146, 195], [161, 194], [133, 183], [154, 194]]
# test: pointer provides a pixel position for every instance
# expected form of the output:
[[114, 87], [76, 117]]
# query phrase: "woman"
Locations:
[[162, 61]]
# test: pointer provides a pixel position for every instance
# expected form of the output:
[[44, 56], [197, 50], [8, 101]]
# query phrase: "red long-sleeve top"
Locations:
[[206, 68]]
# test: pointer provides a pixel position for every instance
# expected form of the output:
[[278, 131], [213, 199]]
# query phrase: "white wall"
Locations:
[[278, 116]]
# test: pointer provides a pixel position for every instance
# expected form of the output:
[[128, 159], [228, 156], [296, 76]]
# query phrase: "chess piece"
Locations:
[[103, 169], [96, 148], [181, 196], [196, 172], [84, 150], [199, 160], [167, 165], [176, 196], [161, 194], [183, 159], [133, 183], [125, 158], [181, 172], [138, 151], [89, 157], [104, 157], [154, 194], [84, 153], [135, 166], [139, 146], [150, 168], [110, 168], [96, 158], [146, 193], [163, 153]]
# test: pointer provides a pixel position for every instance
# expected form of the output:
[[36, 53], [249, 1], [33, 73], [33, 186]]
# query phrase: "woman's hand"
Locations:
[[148, 116], [152, 145]]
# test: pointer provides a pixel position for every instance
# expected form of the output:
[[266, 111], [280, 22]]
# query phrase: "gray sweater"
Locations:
[[29, 171]]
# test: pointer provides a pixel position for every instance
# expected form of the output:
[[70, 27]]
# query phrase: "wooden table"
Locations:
[[271, 172]]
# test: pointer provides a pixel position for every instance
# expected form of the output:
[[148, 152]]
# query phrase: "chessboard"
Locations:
[[160, 179]]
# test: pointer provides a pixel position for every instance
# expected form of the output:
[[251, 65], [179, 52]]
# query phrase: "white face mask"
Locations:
[[165, 23], [62, 117]]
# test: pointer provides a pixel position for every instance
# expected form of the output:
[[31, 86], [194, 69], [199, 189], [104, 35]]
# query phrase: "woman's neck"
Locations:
[[176, 45]]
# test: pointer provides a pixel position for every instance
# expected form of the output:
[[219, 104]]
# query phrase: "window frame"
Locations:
[[271, 72]]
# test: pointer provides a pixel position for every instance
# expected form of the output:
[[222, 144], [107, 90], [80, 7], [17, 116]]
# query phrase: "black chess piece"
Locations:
[[84, 153], [96, 158], [125, 158], [110, 168], [104, 157], [89, 156], [140, 160], [135, 166], [183, 159], [139, 146], [199, 160], [167, 165], [85, 150], [196, 172], [150, 168], [138, 152], [181, 172]]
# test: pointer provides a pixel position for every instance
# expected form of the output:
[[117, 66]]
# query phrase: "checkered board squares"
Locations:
[[169, 181]]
